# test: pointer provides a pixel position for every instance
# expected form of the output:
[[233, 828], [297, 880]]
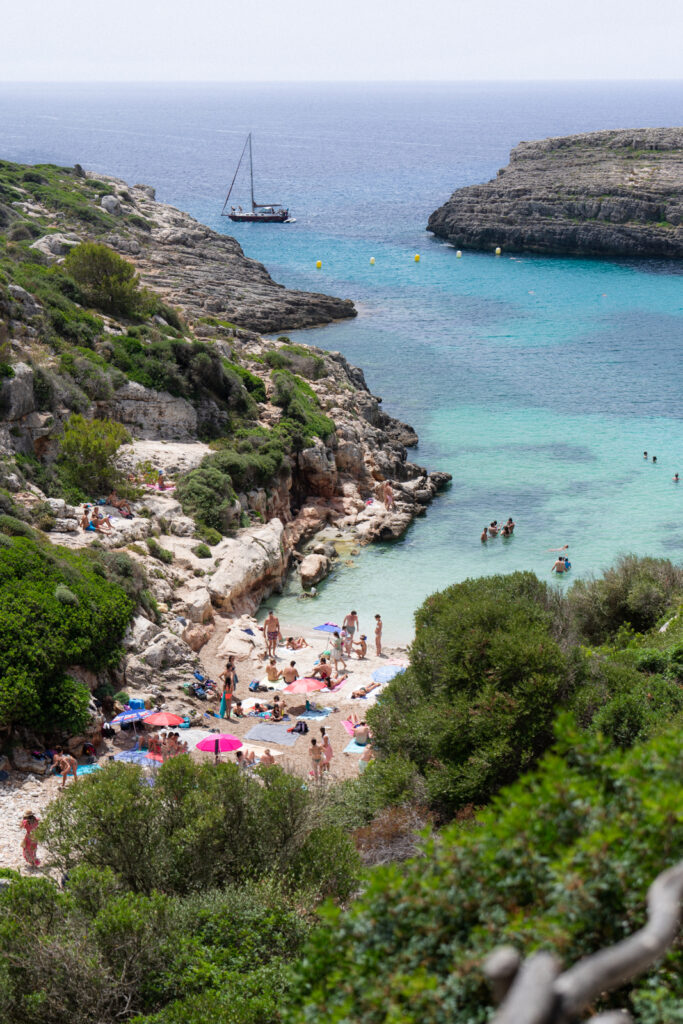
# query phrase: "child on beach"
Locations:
[[29, 846]]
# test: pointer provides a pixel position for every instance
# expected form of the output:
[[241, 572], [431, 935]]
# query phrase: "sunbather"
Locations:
[[365, 690], [322, 671], [361, 647], [296, 644], [267, 757], [121, 504], [272, 671], [279, 709]]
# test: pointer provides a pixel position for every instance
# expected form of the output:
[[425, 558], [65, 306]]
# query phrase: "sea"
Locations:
[[537, 382]]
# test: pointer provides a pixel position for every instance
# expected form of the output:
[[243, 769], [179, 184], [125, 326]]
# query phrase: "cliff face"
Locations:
[[608, 193]]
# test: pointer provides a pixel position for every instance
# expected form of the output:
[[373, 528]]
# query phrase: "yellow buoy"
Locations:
[[372, 260], [417, 257], [459, 254], [498, 250], [319, 264]]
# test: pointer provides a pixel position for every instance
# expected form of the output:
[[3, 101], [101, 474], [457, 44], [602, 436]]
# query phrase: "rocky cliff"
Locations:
[[608, 193]]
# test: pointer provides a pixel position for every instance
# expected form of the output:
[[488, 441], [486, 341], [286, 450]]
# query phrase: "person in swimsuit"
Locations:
[[85, 521], [365, 758], [362, 646], [271, 632], [510, 524], [361, 732], [267, 757], [388, 496], [65, 764], [484, 535], [493, 528], [290, 673], [296, 645], [279, 709], [322, 671], [365, 690], [317, 757], [675, 478], [327, 750], [350, 625], [559, 566], [378, 635], [228, 679], [644, 455], [273, 673]]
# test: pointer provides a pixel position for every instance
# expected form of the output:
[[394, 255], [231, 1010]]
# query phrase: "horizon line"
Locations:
[[336, 81]]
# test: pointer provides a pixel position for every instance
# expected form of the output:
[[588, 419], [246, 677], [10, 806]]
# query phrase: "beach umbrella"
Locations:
[[386, 672], [163, 718], [219, 743], [328, 627], [305, 685], [130, 716]]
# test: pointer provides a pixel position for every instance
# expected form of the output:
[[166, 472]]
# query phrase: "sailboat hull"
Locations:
[[261, 218]]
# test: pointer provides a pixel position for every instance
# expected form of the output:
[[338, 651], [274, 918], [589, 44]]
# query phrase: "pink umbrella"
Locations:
[[164, 718], [305, 685], [219, 742]]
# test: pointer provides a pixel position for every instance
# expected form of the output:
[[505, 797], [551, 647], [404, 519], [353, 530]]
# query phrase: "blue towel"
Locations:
[[355, 748], [320, 713], [87, 769]]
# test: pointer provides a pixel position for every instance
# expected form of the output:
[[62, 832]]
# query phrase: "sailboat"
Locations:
[[262, 213]]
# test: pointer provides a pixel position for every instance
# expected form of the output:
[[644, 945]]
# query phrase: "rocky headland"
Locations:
[[279, 454], [607, 193]]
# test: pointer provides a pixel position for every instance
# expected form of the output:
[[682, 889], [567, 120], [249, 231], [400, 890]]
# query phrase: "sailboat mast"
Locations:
[[235, 176], [251, 172]]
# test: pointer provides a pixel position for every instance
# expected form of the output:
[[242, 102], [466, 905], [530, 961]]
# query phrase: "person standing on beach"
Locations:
[[317, 757], [350, 625], [29, 846], [228, 677], [336, 652], [378, 635], [65, 764], [388, 496], [271, 633], [327, 750]]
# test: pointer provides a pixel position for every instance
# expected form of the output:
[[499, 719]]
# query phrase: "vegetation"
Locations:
[[562, 860], [59, 608], [86, 459], [109, 282]]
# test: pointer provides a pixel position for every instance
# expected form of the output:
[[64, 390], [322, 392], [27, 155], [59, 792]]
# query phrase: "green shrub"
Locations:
[[109, 282], [300, 403], [202, 551], [561, 860], [14, 527], [156, 551], [122, 697], [211, 537], [41, 635], [86, 459], [487, 674], [636, 592]]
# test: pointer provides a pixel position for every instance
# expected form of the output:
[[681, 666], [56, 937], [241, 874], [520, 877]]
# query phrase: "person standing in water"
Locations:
[[559, 566], [675, 478], [484, 535], [378, 635]]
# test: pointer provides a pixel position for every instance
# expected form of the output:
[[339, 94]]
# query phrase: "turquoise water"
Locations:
[[536, 382]]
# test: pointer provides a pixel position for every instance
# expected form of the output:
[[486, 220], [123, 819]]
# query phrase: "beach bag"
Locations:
[[300, 727], [254, 686]]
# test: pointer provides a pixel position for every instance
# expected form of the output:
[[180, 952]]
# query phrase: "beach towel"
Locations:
[[274, 732], [338, 685], [87, 769], [317, 713], [349, 726], [355, 748]]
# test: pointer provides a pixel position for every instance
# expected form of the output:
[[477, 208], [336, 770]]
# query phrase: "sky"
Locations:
[[339, 40]]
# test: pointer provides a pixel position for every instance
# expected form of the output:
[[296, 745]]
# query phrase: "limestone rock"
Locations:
[[313, 569], [607, 193], [23, 761], [318, 468], [140, 633], [16, 393], [195, 636], [65, 526], [111, 204], [152, 414], [56, 245], [57, 506], [197, 605], [183, 526], [250, 566]]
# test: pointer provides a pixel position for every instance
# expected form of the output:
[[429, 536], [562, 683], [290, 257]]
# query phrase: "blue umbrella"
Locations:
[[386, 672], [328, 627], [129, 716]]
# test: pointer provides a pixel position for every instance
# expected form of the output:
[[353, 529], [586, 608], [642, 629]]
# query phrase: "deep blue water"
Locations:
[[537, 382]]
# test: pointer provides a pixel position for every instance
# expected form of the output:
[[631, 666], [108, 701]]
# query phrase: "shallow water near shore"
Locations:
[[537, 382]]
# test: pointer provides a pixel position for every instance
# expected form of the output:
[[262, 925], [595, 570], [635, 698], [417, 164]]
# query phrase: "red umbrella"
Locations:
[[219, 742], [305, 685], [163, 718]]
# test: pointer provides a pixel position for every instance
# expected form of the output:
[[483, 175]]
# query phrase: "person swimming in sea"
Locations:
[[675, 478], [485, 535]]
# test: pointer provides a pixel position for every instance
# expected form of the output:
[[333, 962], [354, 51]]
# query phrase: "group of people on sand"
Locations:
[[342, 643], [493, 530], [164, 745], [95, 520]]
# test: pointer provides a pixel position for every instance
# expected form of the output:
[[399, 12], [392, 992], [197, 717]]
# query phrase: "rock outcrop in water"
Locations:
[[608, 193]]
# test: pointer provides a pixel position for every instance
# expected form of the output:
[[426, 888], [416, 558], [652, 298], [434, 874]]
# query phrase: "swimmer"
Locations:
[[511, 524], [654, 459], [485, 535], [675, 478], [493, 528], [644, 455], [559, 566], [555, 550]]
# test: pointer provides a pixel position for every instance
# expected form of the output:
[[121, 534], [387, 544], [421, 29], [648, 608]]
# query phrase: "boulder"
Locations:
[[140, 634], [23, 761], [197, 605], [195, 636], [56, 245], [313, 569], [111, 204], [57, 507], [165, 650], [65, 526], [319, 470], [16, 393], [249, 566], [182, 526]]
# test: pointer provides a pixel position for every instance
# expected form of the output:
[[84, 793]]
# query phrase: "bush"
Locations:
[[300, 404], [562, 860], [108, 281], [202, 551], [211, 537], [86, 459], [14, 527], [475, 708], [636, 592], [156, 551], [199, 826], [42, 634]]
